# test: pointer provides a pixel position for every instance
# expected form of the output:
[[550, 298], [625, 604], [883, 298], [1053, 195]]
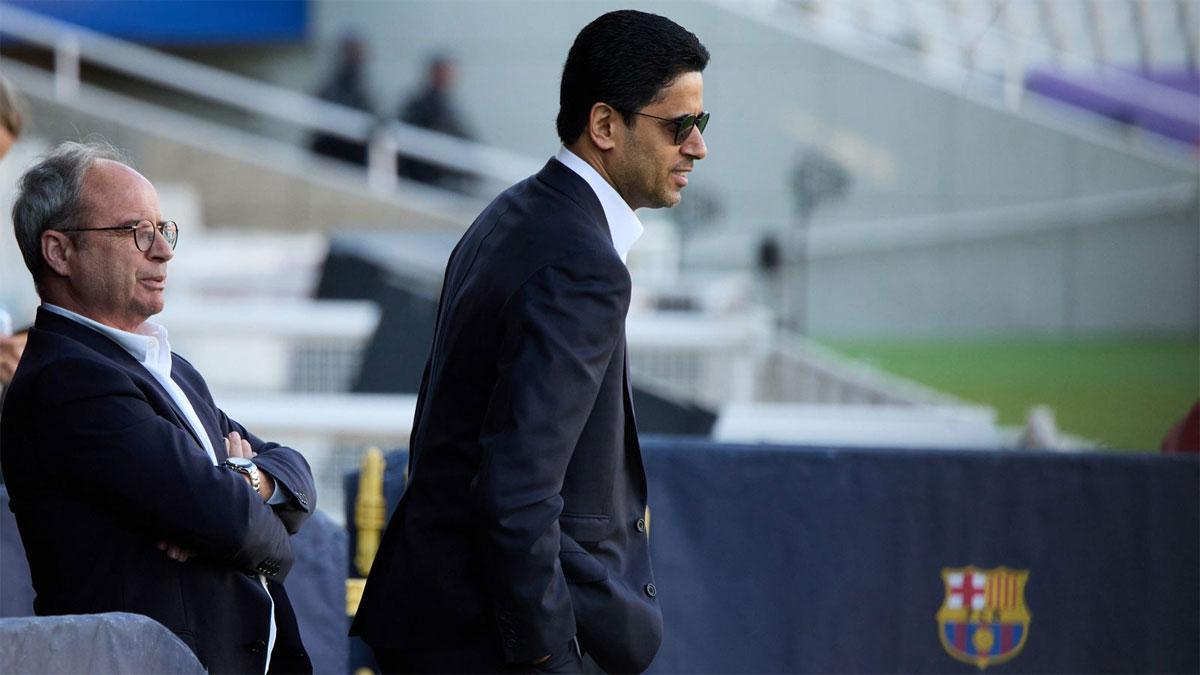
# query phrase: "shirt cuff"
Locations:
[[277, 497]]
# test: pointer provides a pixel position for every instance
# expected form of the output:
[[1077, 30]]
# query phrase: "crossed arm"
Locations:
[[235, 446], [101, 438]]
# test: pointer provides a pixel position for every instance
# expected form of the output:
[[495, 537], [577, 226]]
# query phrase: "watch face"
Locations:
[[240, 462]]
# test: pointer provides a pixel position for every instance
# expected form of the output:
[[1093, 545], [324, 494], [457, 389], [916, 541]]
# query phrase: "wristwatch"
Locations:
[[246, 467]]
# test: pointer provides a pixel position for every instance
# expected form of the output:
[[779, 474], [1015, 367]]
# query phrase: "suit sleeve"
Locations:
[[288, 467], [559, 332], [102, 438], [290, 471]]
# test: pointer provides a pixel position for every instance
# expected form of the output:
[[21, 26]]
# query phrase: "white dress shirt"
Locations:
[[149, 347], [623, 224]]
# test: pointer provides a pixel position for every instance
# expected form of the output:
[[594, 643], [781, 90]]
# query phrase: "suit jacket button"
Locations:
[[256, 647], [641, 525], [651, 590]]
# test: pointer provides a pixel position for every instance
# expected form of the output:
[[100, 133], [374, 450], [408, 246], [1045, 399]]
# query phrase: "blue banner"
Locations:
[[182, 22], [783, 560]]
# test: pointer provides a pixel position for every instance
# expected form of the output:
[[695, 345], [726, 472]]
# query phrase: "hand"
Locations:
[[538, 662], [236, 446], [10, 354], [174, 552]]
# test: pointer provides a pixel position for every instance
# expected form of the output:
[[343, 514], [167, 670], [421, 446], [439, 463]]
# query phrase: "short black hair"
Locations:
[[623, 58]]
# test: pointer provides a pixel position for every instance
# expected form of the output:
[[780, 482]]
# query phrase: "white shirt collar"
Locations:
[[623, 224], [148, 345]]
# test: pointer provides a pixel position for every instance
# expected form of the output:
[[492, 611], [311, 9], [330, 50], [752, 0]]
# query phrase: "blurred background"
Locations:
[[922, 224], [950, 223]]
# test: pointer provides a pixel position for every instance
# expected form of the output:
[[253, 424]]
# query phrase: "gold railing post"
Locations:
[[370, 512]]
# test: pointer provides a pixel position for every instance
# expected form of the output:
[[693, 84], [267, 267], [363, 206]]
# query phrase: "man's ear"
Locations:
[[57, 251], [602, 122]]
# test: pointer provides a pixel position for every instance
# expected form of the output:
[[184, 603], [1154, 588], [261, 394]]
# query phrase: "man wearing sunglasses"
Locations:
[[132, 491], [522, 541]]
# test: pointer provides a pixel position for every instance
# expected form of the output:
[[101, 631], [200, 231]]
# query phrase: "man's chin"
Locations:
[[149, 309], [666, 200]]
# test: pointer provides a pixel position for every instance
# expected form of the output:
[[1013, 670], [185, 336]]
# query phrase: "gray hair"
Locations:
[[50, 196]]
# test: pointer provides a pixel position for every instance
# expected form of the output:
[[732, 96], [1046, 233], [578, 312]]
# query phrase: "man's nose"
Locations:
[[160, 249], [693, 146]]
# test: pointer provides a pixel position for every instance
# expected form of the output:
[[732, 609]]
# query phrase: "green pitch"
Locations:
[[1125, 393]]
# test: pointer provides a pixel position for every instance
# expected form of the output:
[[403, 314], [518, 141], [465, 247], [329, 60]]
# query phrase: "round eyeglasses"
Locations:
[[143, 232]]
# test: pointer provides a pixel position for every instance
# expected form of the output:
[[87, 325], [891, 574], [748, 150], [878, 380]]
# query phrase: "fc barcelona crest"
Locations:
[[983, 619]]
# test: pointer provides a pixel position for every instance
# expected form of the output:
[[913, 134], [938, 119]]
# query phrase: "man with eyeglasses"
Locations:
[[521, 543], [132, 491]]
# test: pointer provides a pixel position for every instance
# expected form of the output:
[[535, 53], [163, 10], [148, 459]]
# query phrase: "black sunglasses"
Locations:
[[143, 232], [683, 125]]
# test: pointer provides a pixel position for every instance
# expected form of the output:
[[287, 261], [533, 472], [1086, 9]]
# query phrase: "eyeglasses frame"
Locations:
[[133, 226]]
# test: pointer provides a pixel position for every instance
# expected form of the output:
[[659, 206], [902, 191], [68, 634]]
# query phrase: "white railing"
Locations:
[[72, 45], [717, 360], [709, 359], [801, 370], [871, 426], [272, 345], [331, 430]]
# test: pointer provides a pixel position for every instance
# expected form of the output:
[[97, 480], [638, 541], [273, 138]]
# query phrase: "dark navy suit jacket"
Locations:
[[100, 465], [523, 521]]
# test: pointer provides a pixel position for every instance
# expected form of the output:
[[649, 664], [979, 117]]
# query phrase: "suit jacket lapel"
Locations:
[[54, 323], [205, 413], [562, 179]]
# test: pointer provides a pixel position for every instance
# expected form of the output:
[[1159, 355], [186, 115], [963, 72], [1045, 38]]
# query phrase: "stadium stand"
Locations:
[[970, 208]]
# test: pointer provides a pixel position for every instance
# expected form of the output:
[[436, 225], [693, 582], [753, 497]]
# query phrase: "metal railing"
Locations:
[[331, 430], [798, 369], [272, 345], [720, 360], [72, 45], [711, 360]]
